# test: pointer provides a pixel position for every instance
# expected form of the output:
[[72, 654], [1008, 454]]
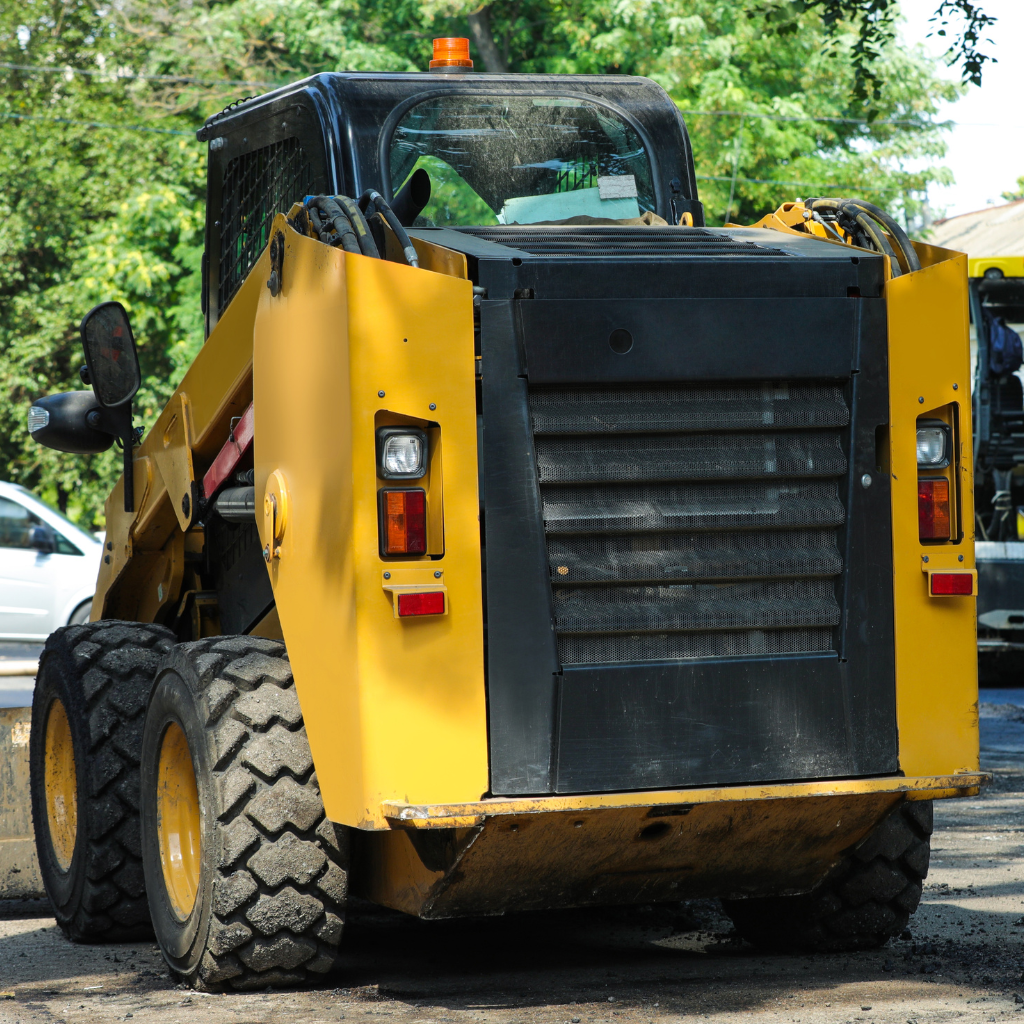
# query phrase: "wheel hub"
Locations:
[[61, 785], [178, 821]]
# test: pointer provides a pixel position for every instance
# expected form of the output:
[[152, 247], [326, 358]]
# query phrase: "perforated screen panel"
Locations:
[[256, 187], [691, 522]]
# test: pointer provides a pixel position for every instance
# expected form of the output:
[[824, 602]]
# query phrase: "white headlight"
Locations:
[[37, 418], [401, 453], [932, 447]]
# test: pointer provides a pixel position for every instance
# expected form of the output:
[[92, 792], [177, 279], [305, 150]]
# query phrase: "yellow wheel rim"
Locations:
[[61, 785], [178, 821]]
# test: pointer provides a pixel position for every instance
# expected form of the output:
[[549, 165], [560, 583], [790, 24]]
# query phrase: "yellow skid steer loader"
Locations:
[[514, 541]]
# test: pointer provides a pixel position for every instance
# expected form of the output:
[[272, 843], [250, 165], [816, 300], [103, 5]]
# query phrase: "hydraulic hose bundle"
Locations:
[[341, 222], [865, 225]]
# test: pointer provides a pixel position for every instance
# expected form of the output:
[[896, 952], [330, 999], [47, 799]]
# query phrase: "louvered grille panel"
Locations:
[[691, 521]]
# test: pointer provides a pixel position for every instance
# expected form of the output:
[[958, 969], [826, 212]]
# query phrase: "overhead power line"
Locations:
[[825, 120], [97, 124], [129, 76], [797, 184], [191, 80]]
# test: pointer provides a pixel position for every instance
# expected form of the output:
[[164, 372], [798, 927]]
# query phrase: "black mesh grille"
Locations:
[[590, 649], [691, 521], [652, 410], [257, 186], [695, 507], [688, 457], [619, 241], [679, 556]]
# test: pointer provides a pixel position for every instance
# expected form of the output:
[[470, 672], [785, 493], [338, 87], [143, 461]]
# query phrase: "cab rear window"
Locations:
[[522, 160]]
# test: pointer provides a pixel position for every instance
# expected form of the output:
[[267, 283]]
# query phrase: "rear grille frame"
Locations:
[[741, 707]]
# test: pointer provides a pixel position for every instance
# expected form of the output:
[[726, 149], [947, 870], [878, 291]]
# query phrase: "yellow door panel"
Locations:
[[936, 637], [393, 707]]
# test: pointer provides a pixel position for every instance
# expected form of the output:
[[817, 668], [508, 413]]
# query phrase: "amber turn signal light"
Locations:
[[451, 52], [933, 509], [403, 522]]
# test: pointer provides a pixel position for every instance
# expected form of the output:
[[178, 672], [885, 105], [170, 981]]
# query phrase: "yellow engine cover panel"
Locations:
[[394, 708], [936, 637]]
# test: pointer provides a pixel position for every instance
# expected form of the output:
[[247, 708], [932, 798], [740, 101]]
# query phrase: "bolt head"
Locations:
[[865, 480], [924, 558], [956, 387], [380, 394], [921, 400], [433, 406], [387, 575], [959, 558], [437, 574]]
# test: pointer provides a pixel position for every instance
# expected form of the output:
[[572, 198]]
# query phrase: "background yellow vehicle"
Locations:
[[997, 309], [514, 541]]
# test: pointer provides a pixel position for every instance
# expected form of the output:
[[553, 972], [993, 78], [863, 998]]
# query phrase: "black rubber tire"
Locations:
[[273, 875], [866, 899], [102, 672]]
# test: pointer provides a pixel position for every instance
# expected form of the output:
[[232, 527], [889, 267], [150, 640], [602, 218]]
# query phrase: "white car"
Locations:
[[48, 567]]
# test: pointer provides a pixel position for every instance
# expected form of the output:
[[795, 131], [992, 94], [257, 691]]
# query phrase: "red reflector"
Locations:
[[421, 604], [952, 584], [933, 509], [404, 522]]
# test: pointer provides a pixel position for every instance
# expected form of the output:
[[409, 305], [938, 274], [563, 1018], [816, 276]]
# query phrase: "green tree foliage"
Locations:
[[1015, 193], [86, 213], [92, 209]]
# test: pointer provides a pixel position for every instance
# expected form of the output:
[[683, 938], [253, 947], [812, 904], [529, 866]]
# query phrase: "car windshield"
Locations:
[[521, 160]]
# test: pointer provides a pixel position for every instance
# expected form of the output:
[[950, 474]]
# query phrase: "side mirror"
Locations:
[[42, 540], [72, 422], [110, 354], [113, 365]]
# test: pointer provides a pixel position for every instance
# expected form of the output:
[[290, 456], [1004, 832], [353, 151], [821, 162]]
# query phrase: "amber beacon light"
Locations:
[[451, 52]]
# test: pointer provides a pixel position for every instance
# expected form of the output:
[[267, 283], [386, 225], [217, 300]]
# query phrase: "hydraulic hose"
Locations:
[[339, 222], [867, 226], [372, 198]]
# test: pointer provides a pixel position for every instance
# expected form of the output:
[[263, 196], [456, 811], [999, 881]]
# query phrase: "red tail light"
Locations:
[[431, 603], [403, 522], [952, 584], [933, 509]]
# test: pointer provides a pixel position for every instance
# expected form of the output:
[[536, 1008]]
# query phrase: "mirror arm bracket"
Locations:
[[118, 421]]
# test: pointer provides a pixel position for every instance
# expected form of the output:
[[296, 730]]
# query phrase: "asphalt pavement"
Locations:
[[960, 960]]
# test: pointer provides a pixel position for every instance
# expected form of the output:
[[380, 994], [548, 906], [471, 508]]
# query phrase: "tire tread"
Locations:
[[865, 900], [112, 664], [272, 921]]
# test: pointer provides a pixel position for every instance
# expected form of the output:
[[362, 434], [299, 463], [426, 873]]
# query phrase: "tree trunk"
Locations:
[[480, 33]]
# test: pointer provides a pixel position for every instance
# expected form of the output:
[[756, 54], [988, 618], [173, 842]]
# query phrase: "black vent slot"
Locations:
[[691, 521], [257, 186], [621, 241]]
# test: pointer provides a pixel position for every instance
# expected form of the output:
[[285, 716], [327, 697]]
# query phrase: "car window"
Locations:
[[521, 160], [17, 523]]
